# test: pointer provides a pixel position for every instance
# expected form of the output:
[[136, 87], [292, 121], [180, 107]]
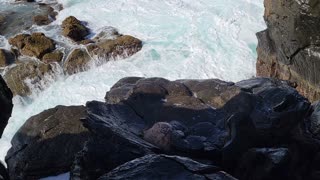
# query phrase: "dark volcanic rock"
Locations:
[[47, 143], [289, 48], [5, 105], [74, 29], [166, 167], [211, 120]]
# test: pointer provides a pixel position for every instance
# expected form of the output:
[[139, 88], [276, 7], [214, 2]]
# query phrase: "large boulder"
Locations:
[[47, 143], [5, 105], [211, 120], [34, 45], [289, 48], [25, 75], [166, 167], [74, 29]]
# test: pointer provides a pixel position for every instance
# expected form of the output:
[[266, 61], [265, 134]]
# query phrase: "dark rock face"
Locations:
[[165, 167], [5, 105], [47, 143], [259, 120], [289, 48], [6, 57]]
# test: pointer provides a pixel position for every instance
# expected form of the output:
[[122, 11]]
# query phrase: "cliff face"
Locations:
[[289, 48]]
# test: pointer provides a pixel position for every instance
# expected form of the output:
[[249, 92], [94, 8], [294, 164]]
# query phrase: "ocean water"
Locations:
[[182, 39]]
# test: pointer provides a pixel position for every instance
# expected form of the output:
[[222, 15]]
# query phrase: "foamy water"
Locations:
[[182, 39]]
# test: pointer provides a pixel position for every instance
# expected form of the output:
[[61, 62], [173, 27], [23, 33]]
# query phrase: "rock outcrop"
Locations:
[[46, 144], [34, 45], [5, 105], [74, 29], [289, 49], [6, 57]]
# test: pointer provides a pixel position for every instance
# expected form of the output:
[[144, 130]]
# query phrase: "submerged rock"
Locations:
[[21, 76], [47, 143], [41, 20], [74, 29], [289, 48]]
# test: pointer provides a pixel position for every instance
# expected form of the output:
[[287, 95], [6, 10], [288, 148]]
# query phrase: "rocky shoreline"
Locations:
[[154, 128]]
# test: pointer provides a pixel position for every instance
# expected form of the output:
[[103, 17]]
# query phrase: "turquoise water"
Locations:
[[182, 39]]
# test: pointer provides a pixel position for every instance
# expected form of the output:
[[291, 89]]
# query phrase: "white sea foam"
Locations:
[[182, 39]]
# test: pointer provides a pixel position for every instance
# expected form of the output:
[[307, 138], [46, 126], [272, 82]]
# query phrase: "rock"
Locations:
[[55, 56], [315, 120], [122, 46], [47, 143], [74, 29], [289, 48], [34, 45], [166, 167], [41, 20], [3, 172], [24, 75], [5, 105], [184, 118], [265, 163], [6, 58], [77, 61]]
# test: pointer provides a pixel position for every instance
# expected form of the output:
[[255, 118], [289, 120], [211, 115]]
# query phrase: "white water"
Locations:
[[182, 39]]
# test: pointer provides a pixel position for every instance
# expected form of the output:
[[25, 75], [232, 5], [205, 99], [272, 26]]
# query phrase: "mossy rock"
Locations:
[[77, 61], [55, 56], [17, 75], [74, 29]]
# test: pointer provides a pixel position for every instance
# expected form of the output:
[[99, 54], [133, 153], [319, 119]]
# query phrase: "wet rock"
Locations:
[[26, 74], [159, 135], [6, 58], [47, 143], [166, 167], [122, 46], [34, 45], [41, 20], [5, 104], [55, 56], [74, 29], [289, 48], [315, 120], [77, 61]]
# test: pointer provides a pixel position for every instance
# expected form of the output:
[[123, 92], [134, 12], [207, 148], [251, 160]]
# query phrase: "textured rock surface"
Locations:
[[23, 75], [289, 49], [56, 56], [215, 121], [74, 29], [6, 57], [47, 143], [5, 105], [77, 61], [166, 167], [34, 45]]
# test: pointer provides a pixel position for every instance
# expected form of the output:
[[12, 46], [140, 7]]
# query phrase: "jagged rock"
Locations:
[[265, 163], [24, 74], [5, 104], [6, 57], [55, 56], [74, 29], [77, 61], [47, 143], [289, 48], [34, 45], [41, 20], [122, 45], [183, 117], [166, 167]]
